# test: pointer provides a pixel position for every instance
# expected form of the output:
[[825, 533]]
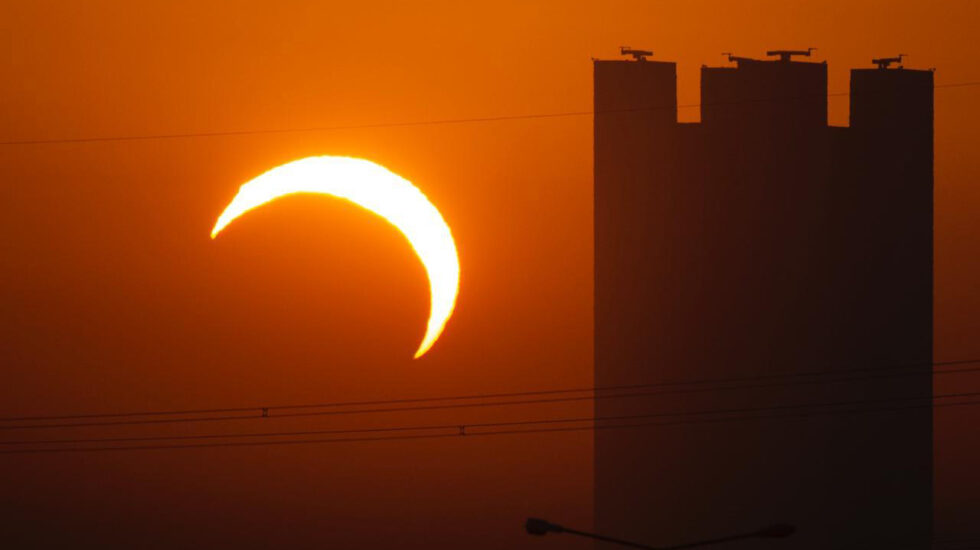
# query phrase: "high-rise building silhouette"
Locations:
[[762, 246]]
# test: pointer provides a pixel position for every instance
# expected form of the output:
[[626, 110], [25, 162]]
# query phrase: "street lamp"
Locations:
[[540, 527]]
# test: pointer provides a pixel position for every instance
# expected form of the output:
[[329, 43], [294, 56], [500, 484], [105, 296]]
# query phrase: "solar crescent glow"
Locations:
[[384, 193]]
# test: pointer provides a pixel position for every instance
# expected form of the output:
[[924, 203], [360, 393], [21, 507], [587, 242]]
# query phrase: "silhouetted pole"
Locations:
[[540, 527]]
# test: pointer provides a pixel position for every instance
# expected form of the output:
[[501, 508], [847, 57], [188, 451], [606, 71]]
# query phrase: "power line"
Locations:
[[923, 368], [403, 124], [462, 427], [510, 428], [471, 425], [264, 412]]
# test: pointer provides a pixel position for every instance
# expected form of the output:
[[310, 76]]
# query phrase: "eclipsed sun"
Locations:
[[382, 192]]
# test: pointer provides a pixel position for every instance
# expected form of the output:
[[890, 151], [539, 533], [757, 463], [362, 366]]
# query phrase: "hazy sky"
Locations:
[[115, 299]]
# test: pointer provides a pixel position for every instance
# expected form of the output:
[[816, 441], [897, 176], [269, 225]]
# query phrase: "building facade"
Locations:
[[764, 280]]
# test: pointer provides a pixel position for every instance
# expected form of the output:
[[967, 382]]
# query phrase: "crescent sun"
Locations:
[[382, 192]]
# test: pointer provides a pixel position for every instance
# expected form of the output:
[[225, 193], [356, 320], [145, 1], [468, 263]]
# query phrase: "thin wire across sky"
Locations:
[[398, 124], [536, 426], [565, 395], [539, 425]]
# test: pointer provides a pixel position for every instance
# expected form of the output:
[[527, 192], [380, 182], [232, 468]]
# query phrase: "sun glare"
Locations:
[[381, 191]]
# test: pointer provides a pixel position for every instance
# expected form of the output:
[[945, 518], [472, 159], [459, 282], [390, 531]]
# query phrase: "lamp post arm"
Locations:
[[540, 527], [620, 542], [712, 541]]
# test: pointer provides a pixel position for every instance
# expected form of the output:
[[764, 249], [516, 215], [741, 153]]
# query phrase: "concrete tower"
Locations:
[[788, 264]]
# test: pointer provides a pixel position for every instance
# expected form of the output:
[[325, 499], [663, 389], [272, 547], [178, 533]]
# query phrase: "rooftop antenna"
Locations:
[[787, 55], [639, 55], [736, 59], [885, 62]]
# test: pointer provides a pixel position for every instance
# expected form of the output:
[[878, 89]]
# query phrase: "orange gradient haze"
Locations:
[[115, 299]]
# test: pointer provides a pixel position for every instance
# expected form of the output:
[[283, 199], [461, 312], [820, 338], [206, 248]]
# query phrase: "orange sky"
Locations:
[[116, 299]]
